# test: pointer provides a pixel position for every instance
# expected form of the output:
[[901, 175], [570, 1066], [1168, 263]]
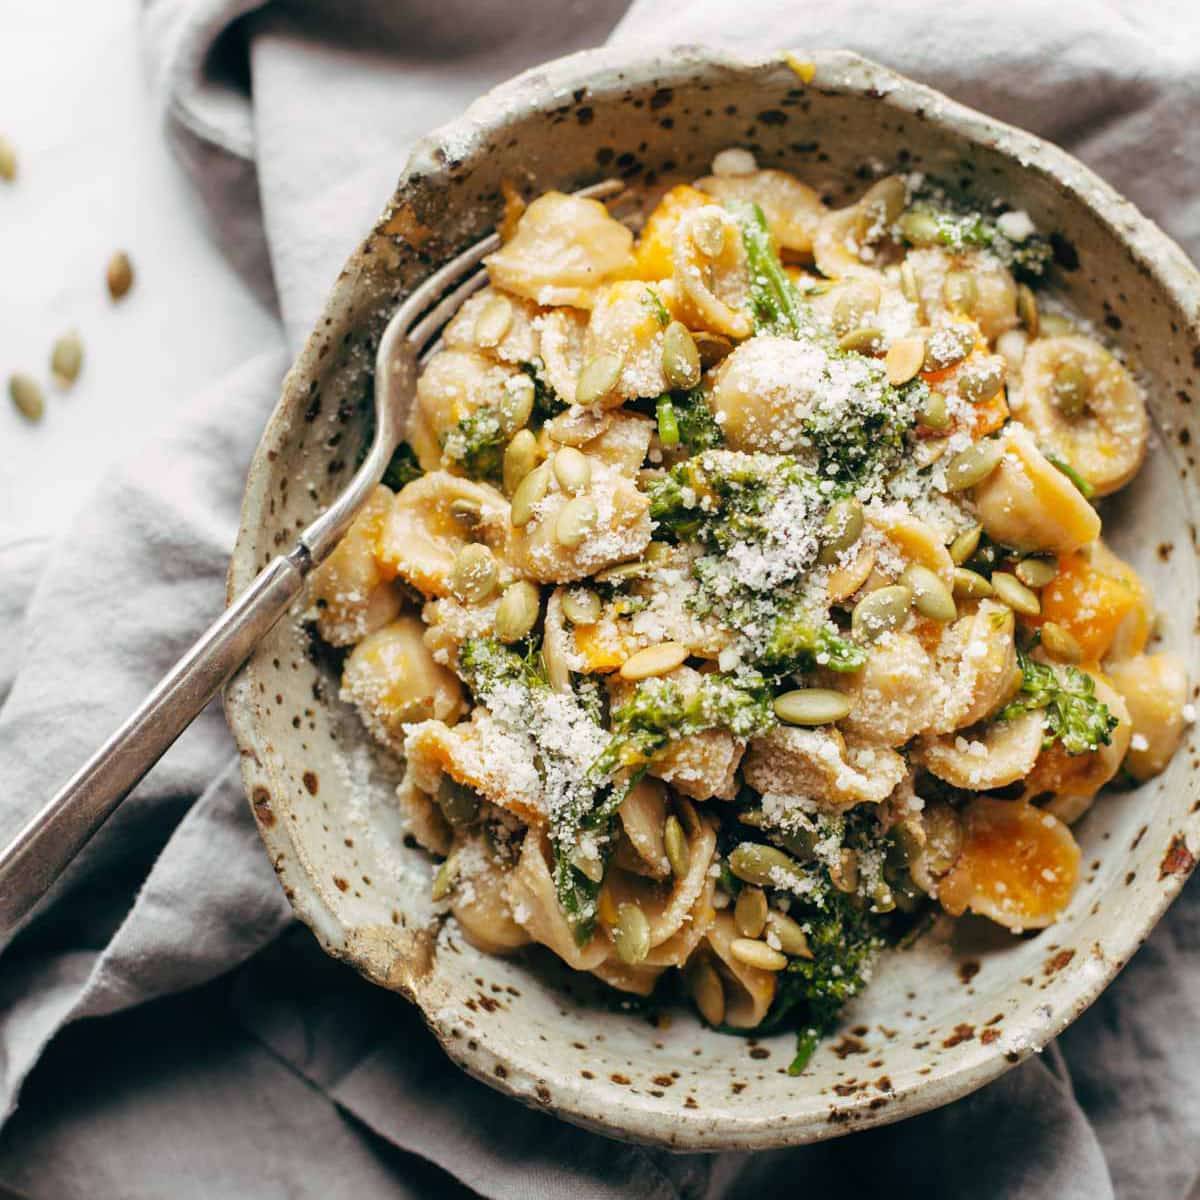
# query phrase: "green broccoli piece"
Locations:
[[773, 299], [1067, 695], [799, 641], [477, 444], [403, 467], [961, 229]]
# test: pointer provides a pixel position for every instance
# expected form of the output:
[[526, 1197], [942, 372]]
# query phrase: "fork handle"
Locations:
[[48, 843]]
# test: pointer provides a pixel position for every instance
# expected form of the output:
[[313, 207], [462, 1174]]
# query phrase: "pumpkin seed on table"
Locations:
[[811, 706], [753, 862], [654, 660], [680, 357], [679, 853], [27, 395], [931, 597], [475, 574], [1027, 309], [881, 611], [965, 544], [516, 404], [792, 939], [750, 912], [529, 493], [970, 585], [1036, 572], [708, 992], [904, 360], [973, 465], [518, 611], [597, 378], [841, 527], [757, 954], [572, 470], [119, 275], [1060, 644], [576, 520], [581, 606], [631, 935], [1011, 591], [494, 321]]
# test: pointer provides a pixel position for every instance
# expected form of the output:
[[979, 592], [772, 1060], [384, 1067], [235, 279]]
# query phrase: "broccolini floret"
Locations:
[[773, 299], [403, 467], [1074, 715]]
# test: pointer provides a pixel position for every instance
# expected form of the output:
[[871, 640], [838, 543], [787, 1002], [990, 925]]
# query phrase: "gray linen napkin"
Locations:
[[286, 1075]]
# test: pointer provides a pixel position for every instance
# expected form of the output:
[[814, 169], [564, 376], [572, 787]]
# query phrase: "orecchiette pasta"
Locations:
[[762, 604]]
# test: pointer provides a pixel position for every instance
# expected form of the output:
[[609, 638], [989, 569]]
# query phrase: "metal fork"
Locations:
[[48, 843]]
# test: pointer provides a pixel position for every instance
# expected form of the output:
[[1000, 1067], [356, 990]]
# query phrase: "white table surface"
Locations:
[[95, 175]]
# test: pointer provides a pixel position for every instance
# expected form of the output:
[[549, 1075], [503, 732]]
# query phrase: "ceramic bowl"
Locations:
[[939, 1019]]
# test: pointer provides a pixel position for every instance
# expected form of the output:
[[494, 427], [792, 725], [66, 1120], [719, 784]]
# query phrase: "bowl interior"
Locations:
[[940, 1018]]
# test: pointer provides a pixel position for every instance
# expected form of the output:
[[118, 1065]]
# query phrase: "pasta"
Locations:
[[745, 602]]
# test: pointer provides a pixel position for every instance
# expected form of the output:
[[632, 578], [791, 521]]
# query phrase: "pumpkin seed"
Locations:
[[712, 347], [1027, 309], [494, 320], [881, 204], [66, 359], [654, 660], [750, 912], [597, 378], [119, 275], [466, 512], [1052, 324], [844, 873], [1060, 644], [856, 301], [965, 544], [572, 470], [631, 935], [622, 572], [679, 853], [910, 285], [960, 291], [792, 939], [918, 227], [970, 585], [757, 954], [444, 879], [1011, 591], [529, 493], [1036, 572], [708, 233], [680, 357], [880, 611], [8, 160], [520, 457], [867, 339], [933, 413], [708, 992], [948, 345], [811, 706], [581, 606], [576, 520], [980, 381], [1069, 389], [904, 360], [656, 552], [458, 803], [516, 404], [931, 597], [752, 862], [558, 670], [841, 527], [27, 396], [973, 465], [518, 611], [475, 574]]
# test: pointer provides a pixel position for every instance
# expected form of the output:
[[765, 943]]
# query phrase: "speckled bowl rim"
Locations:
[[833, 71]]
